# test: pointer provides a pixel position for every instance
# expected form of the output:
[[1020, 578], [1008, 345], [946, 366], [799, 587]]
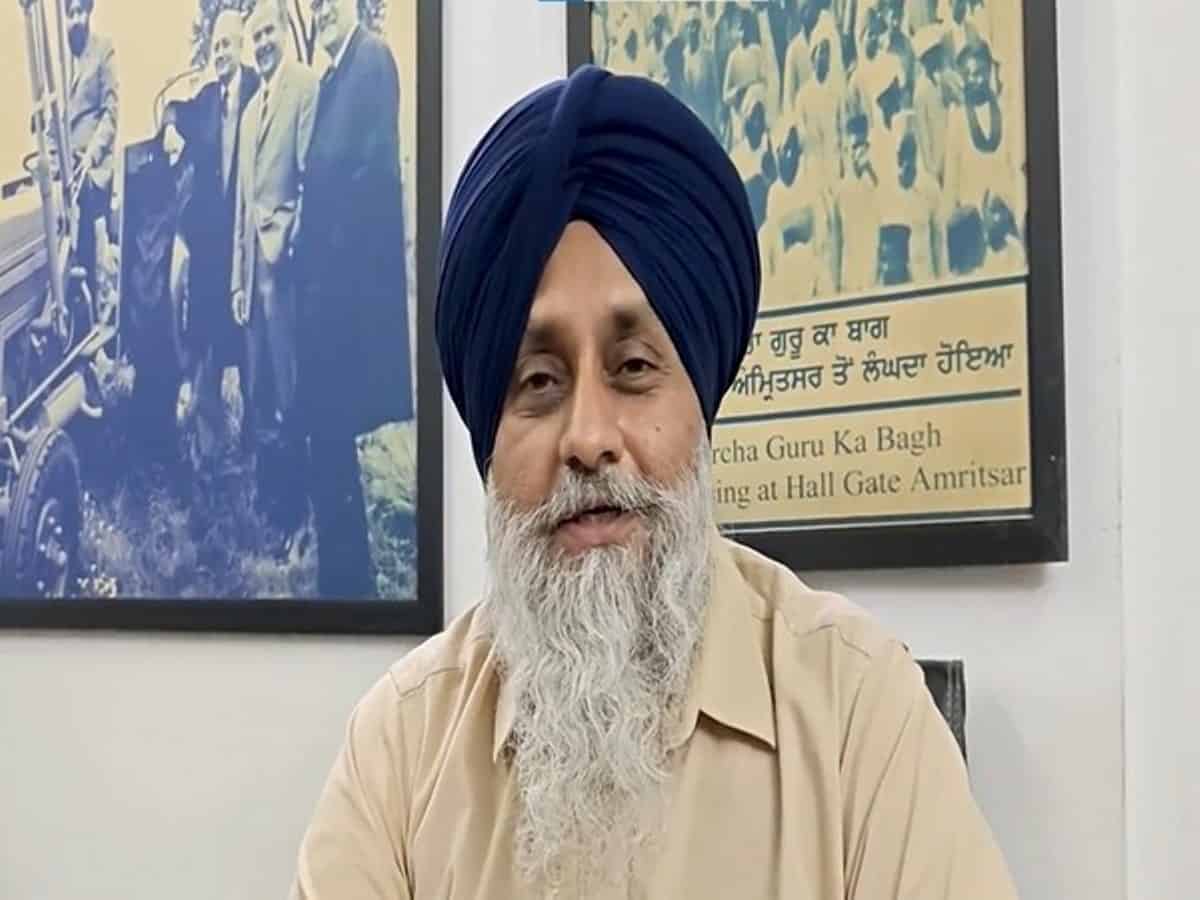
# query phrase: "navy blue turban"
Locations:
[[624, 155]]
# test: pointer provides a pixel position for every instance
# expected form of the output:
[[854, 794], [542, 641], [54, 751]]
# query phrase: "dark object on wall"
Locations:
[[902, 403], [201, 443], [947, 683]]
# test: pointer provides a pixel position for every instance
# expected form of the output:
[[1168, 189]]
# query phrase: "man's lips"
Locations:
[[596, 526], [594, 514]]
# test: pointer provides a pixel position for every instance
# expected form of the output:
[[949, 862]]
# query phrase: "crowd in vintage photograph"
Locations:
[[881, 142]]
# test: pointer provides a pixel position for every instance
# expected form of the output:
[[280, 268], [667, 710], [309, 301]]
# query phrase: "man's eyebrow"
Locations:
[[629, 319], [538, 336]]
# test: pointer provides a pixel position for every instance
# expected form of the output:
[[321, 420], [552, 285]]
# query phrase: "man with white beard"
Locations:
[[639, 707]]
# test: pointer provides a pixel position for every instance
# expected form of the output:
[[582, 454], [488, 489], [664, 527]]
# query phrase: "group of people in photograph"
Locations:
[[881, 142], [288, 271], [296, 273]]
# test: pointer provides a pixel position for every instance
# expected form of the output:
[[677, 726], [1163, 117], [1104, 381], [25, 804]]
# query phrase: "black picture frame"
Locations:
[[423, 615], [1038, 535]]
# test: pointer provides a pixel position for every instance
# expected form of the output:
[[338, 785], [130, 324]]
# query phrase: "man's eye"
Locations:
[[537, 382], [635, 366]]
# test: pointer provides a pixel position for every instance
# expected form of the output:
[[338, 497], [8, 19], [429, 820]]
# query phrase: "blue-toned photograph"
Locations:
[[207, 300], [881, 142]]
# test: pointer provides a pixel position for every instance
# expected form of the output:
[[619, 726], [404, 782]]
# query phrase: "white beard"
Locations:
[[598, 649]]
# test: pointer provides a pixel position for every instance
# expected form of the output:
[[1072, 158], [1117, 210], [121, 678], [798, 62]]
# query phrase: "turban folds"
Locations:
[[621, 153]]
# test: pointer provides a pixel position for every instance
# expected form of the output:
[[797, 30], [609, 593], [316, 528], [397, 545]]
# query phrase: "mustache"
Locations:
[[609, 490]]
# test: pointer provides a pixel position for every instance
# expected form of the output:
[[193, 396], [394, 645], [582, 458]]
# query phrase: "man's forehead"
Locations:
[[228, 24], [619, 314], [267, 11]]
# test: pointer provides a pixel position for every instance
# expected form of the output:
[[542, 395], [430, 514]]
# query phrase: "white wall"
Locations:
[[167, 766], [1159, 191]]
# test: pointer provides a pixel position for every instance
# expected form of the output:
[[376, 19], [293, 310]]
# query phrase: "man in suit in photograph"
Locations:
[[275, 133], [355, 369], [207, 126]]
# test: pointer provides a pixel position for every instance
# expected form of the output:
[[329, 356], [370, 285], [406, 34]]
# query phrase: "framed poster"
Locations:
[[220, 406], [902, 400]]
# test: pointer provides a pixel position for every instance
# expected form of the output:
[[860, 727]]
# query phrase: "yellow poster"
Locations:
[[882, 147]]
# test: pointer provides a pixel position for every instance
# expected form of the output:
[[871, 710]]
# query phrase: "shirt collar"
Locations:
[[234, 87], [729, 683], [270, 82], [337, 60]]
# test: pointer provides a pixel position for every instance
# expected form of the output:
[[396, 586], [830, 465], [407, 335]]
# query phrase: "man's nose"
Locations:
[[592, 438]]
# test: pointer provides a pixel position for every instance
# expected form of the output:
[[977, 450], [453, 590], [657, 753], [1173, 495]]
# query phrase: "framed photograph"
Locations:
[[902, 399], [220, 405]]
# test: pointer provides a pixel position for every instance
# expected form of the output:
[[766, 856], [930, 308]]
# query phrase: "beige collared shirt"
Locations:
[[814, 766]]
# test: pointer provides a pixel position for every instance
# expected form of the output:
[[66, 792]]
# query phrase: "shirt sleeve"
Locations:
[[912, 829], [355, 844], [106, 129]]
